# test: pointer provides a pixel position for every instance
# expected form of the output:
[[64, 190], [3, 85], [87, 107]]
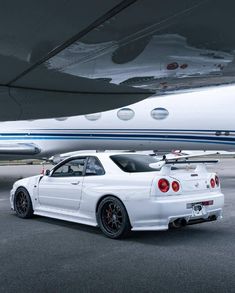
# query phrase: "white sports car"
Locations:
[[120, 192]]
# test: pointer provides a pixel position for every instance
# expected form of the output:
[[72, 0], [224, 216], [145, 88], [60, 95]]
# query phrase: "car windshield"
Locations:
[[134, 163]]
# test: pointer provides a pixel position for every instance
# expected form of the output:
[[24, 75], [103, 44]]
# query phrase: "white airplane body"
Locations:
[[202, 120]]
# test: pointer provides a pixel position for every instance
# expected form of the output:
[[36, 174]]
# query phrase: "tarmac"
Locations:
[[46, 255]]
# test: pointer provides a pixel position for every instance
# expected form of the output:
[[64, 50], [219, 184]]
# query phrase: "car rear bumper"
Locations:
[[159, 213]]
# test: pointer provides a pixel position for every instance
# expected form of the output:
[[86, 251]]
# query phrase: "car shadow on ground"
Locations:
[[69, 225], [172, 237]]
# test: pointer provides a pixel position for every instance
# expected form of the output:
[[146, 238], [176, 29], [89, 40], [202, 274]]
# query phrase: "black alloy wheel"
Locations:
[[112, 218], [23, 204]]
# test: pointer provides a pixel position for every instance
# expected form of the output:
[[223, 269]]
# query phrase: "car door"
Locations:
[[62, 189], [93, 185]]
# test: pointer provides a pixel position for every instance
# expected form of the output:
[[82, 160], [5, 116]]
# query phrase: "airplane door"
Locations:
[[62, 189]]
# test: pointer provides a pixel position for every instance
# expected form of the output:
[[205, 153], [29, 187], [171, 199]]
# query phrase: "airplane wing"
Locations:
[[63, 58]]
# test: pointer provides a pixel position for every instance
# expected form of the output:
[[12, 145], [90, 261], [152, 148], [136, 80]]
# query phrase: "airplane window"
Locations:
[[159, 113], [93, 117], [70, 168], [61, 118], [125, 114], [94, 167]]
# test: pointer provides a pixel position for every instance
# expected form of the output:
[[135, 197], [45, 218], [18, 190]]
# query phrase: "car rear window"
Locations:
[[134, 163]]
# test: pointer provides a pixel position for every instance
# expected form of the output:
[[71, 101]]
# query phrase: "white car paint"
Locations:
[[75, 198]]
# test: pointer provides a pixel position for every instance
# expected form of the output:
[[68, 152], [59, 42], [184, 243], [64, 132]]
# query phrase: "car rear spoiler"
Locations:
[[165, 165], [173, 162]]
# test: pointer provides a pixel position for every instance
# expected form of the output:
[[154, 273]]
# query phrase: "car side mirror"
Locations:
[[47, 173]]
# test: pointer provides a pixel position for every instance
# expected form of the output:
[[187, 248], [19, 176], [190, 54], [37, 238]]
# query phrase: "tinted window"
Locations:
[[70, 168], [134, 163], [94, 167]]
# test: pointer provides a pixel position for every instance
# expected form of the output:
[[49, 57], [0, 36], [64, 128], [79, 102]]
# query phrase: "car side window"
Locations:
[[94, 167], [71, 168]]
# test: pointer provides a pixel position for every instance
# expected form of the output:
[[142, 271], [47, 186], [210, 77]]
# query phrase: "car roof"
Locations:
[[104, 154]]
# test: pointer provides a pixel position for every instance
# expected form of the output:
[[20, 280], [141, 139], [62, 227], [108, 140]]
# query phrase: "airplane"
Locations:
[[63, 58], [199, 120]]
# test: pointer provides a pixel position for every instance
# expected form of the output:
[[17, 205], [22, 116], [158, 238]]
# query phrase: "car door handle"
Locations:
[[75, 183]]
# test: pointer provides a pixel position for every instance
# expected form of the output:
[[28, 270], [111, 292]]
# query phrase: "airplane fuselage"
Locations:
[[201, 120]]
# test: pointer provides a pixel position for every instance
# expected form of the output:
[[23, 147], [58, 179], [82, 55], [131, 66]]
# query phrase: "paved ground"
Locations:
[[45, 255]]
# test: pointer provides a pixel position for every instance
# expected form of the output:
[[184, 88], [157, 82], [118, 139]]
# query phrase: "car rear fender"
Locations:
[[104, 196]]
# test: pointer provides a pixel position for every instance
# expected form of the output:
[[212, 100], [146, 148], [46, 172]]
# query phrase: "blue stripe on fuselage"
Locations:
[[124, 136]]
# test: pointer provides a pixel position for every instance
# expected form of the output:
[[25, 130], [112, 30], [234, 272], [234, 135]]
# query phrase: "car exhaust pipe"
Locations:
[[212, 218], [178, 223], [198, 221]]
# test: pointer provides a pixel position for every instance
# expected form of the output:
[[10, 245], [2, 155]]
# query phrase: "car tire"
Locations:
[[23, 204], [112, 218]]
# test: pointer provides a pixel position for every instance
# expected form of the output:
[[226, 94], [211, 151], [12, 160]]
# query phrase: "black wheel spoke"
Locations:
[[112, 217], [23, 204]]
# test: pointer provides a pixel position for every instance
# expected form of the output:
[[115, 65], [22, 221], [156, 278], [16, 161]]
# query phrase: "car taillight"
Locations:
[[212, 182], [217, 180], [175, 186], [207, 203], [163, 185]]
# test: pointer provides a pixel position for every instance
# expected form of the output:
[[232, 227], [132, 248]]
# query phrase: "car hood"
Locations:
[[25, 181]]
